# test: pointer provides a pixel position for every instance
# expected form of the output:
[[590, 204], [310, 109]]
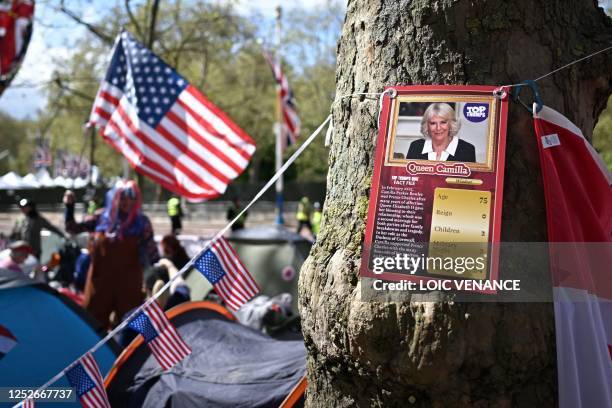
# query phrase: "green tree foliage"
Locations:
[[218, 50], [16, 137], [602, 134]]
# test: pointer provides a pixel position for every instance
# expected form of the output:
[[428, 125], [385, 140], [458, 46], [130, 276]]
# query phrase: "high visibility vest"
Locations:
[[316, 221], [303, 212], [174, 206]]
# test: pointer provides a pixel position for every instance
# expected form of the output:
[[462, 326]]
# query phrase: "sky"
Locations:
[[54, 34]]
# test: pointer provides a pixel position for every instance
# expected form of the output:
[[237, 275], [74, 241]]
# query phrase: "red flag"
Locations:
[[579, 216], [15, 31], [165, 127]]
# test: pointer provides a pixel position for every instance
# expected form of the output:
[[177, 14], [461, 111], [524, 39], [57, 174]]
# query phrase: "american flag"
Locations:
[[166, 344], [165, 127], [42, 156], [7, 341], [85, 377], [290, 118], [27, 403], [224, 270]]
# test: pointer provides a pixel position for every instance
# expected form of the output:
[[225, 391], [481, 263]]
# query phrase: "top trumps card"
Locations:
[[436, 198]]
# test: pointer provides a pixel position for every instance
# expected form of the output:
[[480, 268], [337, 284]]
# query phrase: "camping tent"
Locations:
[[51, 332], [12, 180], [230, 366]]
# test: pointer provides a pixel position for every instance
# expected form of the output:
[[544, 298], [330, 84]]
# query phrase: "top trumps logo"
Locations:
[[476, 112]]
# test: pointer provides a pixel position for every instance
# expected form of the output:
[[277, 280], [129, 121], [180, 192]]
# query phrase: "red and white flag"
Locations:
[[87, 381], [223, 268], [578, 192], [15, 31], [7, 341], [166, 128], [165, 343], [290, 119], [29, 403]]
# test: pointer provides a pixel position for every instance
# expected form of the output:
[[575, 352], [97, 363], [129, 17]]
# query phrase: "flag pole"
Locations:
[[279, 125]]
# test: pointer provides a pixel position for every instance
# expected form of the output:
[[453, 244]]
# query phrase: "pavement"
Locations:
[[202, 220]]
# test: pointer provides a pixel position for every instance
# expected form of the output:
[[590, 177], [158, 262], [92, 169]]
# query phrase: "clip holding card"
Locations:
[[537, 99]]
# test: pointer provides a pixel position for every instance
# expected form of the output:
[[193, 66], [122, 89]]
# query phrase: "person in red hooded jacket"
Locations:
[[121, 247]]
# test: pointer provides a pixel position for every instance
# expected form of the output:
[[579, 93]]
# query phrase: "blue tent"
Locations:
[[51, 332]]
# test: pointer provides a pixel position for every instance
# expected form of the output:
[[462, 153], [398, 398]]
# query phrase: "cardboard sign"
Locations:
[[436, 198]]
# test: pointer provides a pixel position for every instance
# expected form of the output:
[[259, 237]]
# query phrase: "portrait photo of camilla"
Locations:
[[450, 131]]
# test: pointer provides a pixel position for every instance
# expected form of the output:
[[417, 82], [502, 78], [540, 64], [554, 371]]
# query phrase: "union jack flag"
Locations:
[[290, 119], [86, 378], [222, 267], [165, 127], [165, 343]]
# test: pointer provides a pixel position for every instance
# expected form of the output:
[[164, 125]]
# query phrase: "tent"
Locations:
[[12, 180], [42, 179], [30, 181], [230, 366], [51, 332]]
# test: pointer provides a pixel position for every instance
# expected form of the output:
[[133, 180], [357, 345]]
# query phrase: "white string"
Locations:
[[381, 96], [187, 266], [498, 92], [572, 63]]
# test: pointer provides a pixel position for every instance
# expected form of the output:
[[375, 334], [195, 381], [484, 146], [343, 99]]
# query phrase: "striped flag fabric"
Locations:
[[161, 336], [7, 341], [87, 381], [28, 403], [231, 280], [42, 156], [578, 192], [165, 127], [290, 119]]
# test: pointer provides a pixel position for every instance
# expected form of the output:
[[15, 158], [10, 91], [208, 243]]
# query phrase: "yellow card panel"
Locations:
[[460, 229]]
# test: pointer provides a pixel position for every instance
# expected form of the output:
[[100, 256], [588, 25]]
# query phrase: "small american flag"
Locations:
[[42, 156], [290, 118], [85, 377], [165, 127], [166, 344], [222, 267], [7, 341], [27, 403]]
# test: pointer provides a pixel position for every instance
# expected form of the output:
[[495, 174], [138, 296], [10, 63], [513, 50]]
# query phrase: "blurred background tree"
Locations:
[[602, 134], [218, 48]]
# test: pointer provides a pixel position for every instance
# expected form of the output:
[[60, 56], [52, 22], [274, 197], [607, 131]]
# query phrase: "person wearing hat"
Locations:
[[29, 226], [18, 253]]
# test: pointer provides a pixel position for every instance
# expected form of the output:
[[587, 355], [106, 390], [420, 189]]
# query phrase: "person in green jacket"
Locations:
[[175, 212], [303, 214]]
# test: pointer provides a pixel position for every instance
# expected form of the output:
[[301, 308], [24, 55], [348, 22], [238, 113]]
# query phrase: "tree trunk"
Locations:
[[442, 354]]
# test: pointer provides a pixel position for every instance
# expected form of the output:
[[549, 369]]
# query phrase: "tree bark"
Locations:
[[442, 354]]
